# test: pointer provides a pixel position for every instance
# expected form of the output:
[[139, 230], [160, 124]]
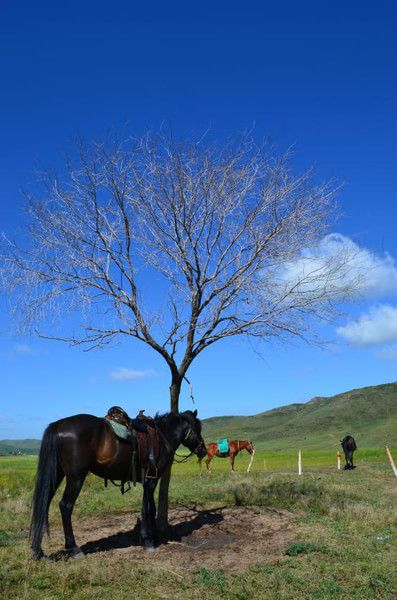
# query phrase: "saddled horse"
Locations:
[[348, 446], [235, 446], [75, 446]]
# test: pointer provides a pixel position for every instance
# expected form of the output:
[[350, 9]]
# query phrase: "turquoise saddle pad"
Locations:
[[120, 430], [223, 446]]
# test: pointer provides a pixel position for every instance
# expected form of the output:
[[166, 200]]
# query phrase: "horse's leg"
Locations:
[[350, 459], [232, 456], [346, 461], [72, 490], [149, 536], [152, 510], [207, 462]]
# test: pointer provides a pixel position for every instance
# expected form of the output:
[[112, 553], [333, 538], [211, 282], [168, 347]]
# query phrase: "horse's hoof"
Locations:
[[148, 546], [38, 555], [77, 553]]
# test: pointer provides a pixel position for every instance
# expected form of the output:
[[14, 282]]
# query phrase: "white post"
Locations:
[[338, 459], [252, 458], [393, 466], [300, 462]]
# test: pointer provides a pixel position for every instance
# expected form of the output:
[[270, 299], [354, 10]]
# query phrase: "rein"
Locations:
[[170, 449], [182, 457], [185, 458]]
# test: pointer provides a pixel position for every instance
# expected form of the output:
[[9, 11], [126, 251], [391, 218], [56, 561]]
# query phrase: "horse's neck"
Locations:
[[242, 444], [238, 446], [172, 429]]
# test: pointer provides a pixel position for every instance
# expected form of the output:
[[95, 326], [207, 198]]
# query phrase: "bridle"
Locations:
[[186, 437]]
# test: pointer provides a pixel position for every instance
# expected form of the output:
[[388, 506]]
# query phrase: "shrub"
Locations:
[[303, 494]]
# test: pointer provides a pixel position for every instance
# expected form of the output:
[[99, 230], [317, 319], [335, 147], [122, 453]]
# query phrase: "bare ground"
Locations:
[[223, 538]]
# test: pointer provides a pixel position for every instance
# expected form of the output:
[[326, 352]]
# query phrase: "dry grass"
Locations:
[[334, 554]]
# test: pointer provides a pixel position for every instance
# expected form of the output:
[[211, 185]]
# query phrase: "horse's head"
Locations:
[[250, 447], [192, 433]]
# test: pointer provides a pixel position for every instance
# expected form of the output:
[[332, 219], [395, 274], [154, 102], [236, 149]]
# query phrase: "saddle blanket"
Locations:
[[223, 446], [120, 430]]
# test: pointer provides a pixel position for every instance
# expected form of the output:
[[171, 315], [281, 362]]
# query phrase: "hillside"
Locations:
[[24, 446], [370, 414]]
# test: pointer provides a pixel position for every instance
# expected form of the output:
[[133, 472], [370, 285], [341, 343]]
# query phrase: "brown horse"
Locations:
[[235, 446]]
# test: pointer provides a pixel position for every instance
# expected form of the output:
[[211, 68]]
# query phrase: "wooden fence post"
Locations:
[[252, 458], [393, 466], [299, 462]]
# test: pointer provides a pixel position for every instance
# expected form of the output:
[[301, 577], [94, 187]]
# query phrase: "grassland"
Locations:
[[332, 552]]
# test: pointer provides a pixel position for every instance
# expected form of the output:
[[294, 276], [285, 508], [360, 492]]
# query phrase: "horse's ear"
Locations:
[[195, 412]]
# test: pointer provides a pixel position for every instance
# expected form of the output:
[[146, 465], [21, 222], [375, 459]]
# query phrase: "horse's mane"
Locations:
[[161, 416], [167, 418], [170, 414]]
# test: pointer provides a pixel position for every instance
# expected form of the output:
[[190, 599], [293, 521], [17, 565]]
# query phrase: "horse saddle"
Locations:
[[141, 432], [123, 425]]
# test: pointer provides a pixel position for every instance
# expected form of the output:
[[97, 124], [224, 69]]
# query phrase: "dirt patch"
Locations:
[[226, 538]]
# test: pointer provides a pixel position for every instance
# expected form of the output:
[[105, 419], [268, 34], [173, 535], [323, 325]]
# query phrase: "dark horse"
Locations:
[[349, 446], [74, 446]]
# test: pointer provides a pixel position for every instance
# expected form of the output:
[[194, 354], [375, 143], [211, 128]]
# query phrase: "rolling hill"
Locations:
[[24, 446], [369, 414]]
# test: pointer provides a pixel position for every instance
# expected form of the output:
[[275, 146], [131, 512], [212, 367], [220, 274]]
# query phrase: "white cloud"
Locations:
[[125, 374], [377, 326], [336, 263]]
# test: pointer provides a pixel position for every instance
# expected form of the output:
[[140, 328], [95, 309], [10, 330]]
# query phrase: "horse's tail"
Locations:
[[47, 481]]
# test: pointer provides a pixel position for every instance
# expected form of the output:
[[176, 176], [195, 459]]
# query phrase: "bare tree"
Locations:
[[225, 227]]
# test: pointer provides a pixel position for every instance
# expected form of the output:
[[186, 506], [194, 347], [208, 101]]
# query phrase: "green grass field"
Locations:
[[334, 552]]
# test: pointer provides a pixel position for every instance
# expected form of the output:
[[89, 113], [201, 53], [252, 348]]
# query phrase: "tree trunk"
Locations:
[[162, 511]]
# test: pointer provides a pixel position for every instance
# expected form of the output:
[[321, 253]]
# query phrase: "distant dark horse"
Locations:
[[75, 446], [235, 446], [349, 446]]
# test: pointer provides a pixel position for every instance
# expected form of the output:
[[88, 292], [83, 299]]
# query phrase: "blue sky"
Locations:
[[316, 75]]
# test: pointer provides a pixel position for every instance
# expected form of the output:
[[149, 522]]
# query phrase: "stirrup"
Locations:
[[147, 476]]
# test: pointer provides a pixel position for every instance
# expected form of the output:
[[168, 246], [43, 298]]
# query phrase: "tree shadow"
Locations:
[[131, 538], [202, 517], [122, 539]]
